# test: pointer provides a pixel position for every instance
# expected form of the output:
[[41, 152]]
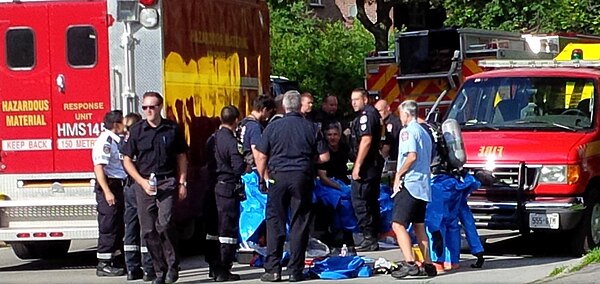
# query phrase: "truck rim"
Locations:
[[595, 223]]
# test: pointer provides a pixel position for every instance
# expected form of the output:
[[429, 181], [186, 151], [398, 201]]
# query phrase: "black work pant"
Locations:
[[211, 227], [291, 192], [110, 221], [155, 213], [365, 201], [136, 251], [228, 207], [325, 229]]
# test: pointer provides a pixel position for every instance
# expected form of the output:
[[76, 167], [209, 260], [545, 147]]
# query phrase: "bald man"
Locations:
[[392, 127]]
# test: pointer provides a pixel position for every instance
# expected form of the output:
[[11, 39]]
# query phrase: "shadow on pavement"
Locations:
[[73, 260]]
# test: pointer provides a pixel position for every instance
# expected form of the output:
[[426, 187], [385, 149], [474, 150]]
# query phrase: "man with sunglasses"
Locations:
[[136, 251], [160, 150]]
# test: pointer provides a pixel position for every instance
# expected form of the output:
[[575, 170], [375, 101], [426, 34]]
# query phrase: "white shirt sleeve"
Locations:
[[102, 150]]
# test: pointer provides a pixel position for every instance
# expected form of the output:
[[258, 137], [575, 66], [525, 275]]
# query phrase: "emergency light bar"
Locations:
[[539, 63]]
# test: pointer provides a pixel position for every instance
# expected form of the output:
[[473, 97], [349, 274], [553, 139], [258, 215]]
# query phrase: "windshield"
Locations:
[[531, 103]]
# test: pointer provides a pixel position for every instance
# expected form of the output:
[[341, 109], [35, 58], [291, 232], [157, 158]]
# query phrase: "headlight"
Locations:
[[560, 174]]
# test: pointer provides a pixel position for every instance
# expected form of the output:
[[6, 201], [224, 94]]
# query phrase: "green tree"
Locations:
[[536, 16], [323, 56]]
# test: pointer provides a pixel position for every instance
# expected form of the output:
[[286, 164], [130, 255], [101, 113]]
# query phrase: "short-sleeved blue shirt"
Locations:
[[413, 138]]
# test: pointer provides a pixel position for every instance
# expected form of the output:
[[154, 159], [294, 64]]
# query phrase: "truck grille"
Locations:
[[505, 176], [74, 211]]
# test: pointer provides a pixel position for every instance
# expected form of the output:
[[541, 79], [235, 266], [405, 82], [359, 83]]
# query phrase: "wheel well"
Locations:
[[593, 184]]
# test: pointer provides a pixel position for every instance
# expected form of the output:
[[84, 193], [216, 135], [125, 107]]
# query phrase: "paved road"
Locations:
[[512, 260]]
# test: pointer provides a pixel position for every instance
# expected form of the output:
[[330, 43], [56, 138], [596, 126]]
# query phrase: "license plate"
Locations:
[[543, 221]]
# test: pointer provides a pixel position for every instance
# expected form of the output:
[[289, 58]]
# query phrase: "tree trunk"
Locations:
[[380, 28]]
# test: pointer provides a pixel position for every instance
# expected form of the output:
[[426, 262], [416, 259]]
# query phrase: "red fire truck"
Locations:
[[426, 63], [64, 63], [532, 136]]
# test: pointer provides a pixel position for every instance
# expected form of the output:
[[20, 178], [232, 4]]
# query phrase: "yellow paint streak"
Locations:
[[211, 83]]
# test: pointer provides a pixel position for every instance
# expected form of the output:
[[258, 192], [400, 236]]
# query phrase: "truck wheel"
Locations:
[[587, 234], [41, 249]]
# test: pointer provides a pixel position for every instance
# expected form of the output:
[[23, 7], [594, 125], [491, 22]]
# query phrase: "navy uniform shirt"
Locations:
[[392, 127], [291, 144], [367, 123], [155, 149], [230, 162]]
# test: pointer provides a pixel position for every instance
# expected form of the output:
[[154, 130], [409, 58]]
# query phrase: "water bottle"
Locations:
[[344, 250], [152, 183]]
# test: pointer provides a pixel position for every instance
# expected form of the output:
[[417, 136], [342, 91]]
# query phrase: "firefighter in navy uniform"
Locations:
[[209, 211], [368, 165], [290, 146], [160, 149], [392, 126], [228, 191], [136, 251], [110, 178]]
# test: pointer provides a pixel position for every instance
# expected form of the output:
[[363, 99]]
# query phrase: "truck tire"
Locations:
[[41, 249], [586, 236]]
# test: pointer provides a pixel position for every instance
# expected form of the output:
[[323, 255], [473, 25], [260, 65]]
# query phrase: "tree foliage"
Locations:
[[323, 56], [540, 16]]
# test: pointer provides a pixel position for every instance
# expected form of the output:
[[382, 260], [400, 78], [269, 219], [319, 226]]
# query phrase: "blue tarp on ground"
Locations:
[[341, 267]]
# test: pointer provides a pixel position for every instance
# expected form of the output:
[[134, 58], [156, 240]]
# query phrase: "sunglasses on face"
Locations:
[[150, 107]]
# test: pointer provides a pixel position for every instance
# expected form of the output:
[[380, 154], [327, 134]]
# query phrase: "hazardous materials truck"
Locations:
[[531, 130], [429, 62], [65, 63]]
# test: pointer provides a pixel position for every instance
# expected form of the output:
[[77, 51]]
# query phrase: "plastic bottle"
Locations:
[[344, 251], [152, 183]]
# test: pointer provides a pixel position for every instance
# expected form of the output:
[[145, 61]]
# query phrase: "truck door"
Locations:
[[80, 80], [25, 117]]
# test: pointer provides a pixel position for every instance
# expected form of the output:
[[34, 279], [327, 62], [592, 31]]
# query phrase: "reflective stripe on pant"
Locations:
[[291, 192], [135, 257], [110, 221], [228, 208], [365, 201], [155, 214], [211, 227]]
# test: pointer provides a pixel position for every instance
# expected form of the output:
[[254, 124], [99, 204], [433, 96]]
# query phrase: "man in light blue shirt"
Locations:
[[412, 191]]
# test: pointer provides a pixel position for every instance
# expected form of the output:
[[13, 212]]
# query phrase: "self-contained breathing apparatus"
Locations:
[[449, 151]]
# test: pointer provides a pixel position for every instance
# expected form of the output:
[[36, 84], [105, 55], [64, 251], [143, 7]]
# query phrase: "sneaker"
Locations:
[[270, 277], [370, 244], [105, 269], [149, 276], [405, 269]]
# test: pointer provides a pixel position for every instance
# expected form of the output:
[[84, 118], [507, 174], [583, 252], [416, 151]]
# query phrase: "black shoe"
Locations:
[[427, 269], [406, 269], [270, 277], [370, 244], [105, 269], [297, 277], [149, 276], [172, 276], [227, 276], [158, 280], [135, 274], [480, 260]]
